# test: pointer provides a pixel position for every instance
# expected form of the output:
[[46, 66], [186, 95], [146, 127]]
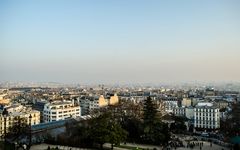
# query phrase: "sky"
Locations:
[[119, 41]]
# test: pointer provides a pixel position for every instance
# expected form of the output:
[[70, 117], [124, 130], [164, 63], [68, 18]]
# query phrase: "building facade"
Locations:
[[170, 104], [60, 110], [90, 103], [206, 117], [14, 114]]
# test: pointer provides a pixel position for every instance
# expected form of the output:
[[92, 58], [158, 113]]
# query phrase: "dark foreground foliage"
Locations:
[[113, 125]]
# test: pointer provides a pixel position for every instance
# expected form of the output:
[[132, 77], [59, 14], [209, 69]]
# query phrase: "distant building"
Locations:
[[89, 103], [187, 112], [4, 101], [113, 100], [170, 104], [222, 104], [186, 102], [60, 110], [179, 111], [39, 105], [210, 92]]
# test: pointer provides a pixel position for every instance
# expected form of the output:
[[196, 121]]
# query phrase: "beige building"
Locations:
[[3, 100], [102, 102], [17, 112], [113, 100], [90, 103], [186, 102]]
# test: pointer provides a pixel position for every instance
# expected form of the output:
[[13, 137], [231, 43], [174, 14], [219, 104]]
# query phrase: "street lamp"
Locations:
[[5, 113], [30, 131]]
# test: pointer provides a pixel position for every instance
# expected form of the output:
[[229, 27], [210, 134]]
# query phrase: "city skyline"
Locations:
[[119, 41]]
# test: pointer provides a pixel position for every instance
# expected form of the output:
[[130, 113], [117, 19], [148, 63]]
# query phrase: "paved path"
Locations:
[[206, 146], [45, 146]]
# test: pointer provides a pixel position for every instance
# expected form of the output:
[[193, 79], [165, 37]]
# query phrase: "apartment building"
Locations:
[[170, 104], [206, 117], [186, 102], [89, 103], [60, 110], [15, 113], [187, 112]]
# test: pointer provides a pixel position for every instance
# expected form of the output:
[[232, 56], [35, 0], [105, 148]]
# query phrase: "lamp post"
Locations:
[[30, 131], [5, 113]]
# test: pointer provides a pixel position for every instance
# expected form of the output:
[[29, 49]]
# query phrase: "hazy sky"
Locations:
[[119, 41]]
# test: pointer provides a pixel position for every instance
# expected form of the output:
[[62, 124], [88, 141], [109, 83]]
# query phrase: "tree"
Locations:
[[117, 134], [150, 113], [19, 128], [134, 127], [155, 131], [236, 118], [105, 129], [179, 124], [161, 133]]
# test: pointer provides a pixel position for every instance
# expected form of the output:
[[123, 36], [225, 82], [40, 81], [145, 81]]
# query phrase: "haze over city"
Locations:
[[119, 41], [119, 75]]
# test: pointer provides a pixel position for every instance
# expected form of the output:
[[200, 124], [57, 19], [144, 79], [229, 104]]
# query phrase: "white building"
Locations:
[[206, 117], [187, 112], [90, 103], [179, 111], [170, 104], [60, 110]]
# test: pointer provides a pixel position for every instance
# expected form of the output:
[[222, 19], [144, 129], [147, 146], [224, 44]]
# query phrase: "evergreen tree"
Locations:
[[150, 112], [155, 131], [235, 119]]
